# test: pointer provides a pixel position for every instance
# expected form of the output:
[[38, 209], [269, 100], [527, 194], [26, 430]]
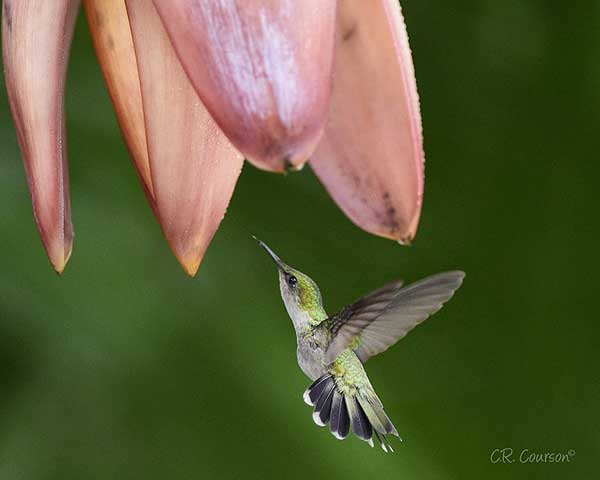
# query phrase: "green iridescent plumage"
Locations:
[[332, 349], [310, 298]]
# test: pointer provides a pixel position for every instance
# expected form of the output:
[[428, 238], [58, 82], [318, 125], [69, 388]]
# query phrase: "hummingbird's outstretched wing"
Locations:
[[379, 320]]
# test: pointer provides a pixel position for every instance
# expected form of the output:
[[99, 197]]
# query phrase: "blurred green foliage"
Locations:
[[126, 368]]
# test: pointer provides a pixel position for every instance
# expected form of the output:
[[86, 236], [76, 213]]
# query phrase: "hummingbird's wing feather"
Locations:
[[368, 307], [379, 320]]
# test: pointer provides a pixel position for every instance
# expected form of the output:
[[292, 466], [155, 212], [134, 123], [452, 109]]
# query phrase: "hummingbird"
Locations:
[[332, 349]]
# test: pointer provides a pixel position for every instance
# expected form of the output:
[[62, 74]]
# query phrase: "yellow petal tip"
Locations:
[[405, 242], [190, 264], [60, 259]]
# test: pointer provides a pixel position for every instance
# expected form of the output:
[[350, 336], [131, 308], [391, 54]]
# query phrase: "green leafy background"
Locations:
[[126, 368]]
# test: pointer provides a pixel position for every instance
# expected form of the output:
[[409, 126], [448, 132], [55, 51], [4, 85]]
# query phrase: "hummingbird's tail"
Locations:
[[360, 409]]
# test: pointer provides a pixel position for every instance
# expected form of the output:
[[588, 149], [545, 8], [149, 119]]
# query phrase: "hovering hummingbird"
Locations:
[[332, 349]]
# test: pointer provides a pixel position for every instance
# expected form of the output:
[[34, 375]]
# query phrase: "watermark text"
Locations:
[[508, 455]]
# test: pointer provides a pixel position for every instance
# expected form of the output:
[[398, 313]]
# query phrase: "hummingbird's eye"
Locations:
[[292, 281]]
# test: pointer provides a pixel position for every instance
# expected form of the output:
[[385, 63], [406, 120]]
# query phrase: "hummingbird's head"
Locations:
[[299, 292]]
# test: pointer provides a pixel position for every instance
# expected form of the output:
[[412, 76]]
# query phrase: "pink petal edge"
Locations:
[[371, 157], [36, 37], [194, 168], [111, 34]]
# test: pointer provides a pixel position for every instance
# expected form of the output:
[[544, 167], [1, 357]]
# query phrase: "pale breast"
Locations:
[[311, 358]]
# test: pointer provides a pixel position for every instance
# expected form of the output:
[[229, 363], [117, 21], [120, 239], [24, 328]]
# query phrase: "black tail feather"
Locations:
[[339, 422], [312, 393], [364, 415], [323, 407], [344, 426], [359, 421]]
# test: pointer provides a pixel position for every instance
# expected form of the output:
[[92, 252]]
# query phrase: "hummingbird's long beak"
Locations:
[[271, 253]]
